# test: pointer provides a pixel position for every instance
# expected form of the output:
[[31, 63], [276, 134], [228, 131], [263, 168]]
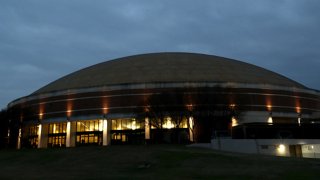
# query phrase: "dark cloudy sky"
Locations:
[[42, 40]]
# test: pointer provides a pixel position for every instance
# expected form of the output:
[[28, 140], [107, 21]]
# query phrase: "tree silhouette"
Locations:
[[163, 105]]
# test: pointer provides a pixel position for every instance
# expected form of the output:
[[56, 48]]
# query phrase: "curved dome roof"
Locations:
[[168, 67]]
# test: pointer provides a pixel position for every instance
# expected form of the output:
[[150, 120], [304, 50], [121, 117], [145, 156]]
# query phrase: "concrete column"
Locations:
[[191, 125], [106, 132], [147, 128], [43, 135], [68, 134], [19, 139], [71, 134]]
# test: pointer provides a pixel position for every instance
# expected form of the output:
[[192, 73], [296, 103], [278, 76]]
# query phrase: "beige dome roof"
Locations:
[[168, 67]]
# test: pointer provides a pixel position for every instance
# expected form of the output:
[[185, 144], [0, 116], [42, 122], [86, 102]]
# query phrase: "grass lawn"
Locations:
[[150, 162]]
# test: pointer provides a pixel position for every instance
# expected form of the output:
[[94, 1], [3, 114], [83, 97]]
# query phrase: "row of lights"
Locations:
[[232, 106], [234, 121]]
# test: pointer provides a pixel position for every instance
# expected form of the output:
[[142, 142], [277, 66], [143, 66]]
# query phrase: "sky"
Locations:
[[43, 40]]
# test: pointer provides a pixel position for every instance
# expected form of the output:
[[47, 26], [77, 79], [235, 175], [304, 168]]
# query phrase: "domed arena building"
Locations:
[[166, 98]]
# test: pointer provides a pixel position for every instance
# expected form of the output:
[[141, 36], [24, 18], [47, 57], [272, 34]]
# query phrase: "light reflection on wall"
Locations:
[[104, 105], [68, 134], [39, 135], [269, 103], [191, 122], [104, 129], [298, 106], [269, 108], [41, 111], [191, 126], [69, 108]]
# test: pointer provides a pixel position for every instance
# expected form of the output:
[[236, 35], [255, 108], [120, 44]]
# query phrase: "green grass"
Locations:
[[146, 162]]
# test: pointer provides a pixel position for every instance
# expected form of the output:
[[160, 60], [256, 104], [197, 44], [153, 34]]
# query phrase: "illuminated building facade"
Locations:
[[165, 98]]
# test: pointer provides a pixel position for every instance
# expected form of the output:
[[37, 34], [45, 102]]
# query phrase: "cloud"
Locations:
[[41, 41]]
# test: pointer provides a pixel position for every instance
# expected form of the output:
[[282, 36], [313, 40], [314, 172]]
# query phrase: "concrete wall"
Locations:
[[311, 151], [278, 147]]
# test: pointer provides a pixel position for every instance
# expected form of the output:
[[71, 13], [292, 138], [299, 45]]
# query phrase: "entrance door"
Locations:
[[295, 151]]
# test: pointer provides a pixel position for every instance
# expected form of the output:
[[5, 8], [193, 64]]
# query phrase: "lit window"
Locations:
[[168, 124]]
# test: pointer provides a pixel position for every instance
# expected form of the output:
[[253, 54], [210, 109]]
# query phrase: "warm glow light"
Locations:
[[55, 128], [191, 122], [19, 139], [234, 122], [69, 108], [105, 124], [269, 107], [147, 128], [105, 110], [133, 125], [104, 105], [298, 105], [269, 103], [40, 116], [105, 133], [41, 111], [281, 149], [270, 121], [101, 125], [69, 113], [39, 135], [168, 124], [119, 127], [68, 134]]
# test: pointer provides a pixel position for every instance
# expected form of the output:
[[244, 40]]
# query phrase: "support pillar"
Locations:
[[147, 128], [106, 132], [19, 139], [43, 130], [71, 134], [191, 126]]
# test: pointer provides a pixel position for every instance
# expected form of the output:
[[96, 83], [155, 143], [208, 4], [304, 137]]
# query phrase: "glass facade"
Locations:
[[169, 123], [127, 131], [31, 139], [89, 125], [127, 124], [57, 128], [57, 135], [89, 132]]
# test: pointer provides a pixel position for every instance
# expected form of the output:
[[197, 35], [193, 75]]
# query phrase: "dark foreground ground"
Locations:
[[149, 162]]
